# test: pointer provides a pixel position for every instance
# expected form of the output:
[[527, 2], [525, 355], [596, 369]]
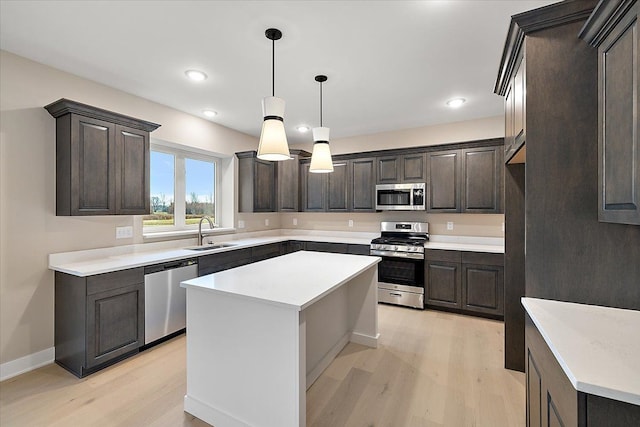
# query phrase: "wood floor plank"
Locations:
[[431, 369]]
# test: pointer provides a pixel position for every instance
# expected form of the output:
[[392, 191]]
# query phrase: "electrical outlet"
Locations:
[[266, 222], [350, 223], [295, 221], [449, 225], [240, 224], [124, 232]]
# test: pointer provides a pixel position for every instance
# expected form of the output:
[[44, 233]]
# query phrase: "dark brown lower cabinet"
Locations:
[[98, 319], [442, 284], [467, 282], [553, 401]]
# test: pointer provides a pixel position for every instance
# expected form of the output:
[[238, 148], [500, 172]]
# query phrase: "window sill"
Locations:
[[179, 234]]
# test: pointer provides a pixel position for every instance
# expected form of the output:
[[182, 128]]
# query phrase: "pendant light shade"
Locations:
[[321, 161], [273, 140]]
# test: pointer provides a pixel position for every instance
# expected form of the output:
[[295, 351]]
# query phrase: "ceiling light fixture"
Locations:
[[456, 102], [209, 113], [321, 161], [273, 140], [303, 129], [195, 75]]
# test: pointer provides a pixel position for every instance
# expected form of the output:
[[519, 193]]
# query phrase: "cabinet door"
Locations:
[[618, 143], [132, 171], [93, 167], [483, 289], [389, 170], [482, 177], [264, 186], [337, 188], [508, 122], [262, 252], [313, 190], [519, 104], [288, 185], [414, 168], [442, 284], [363, 185], [444, 179], [115, 323], [534, 393]]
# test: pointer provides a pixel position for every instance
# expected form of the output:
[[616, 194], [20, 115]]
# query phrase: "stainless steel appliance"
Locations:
[[400, 197], [401, 271], [165, 302]]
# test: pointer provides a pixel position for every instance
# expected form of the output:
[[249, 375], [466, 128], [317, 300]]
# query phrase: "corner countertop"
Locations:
[[105, 260], [597, 347], [266, 282]]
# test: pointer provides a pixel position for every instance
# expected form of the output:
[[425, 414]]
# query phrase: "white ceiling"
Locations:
[[391, 64]]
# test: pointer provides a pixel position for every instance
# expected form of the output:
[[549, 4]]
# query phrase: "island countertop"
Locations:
[[597, 347], [296, 280]]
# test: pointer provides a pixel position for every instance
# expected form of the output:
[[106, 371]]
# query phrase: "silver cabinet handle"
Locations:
[[395, 295]]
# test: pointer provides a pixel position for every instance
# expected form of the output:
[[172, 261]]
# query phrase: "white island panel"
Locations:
[[261, 334]]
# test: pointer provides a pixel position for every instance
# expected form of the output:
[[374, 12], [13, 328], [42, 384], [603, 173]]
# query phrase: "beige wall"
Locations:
[[485, 128], [30, 230]]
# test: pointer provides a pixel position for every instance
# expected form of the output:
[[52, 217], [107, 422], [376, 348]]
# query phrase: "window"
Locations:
[[183, 189]]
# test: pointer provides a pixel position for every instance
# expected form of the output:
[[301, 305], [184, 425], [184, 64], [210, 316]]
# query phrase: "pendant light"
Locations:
[[273, 141], [321, 156]]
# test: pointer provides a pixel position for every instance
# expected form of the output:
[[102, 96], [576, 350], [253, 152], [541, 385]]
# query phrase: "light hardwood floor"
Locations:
[[431, 369]]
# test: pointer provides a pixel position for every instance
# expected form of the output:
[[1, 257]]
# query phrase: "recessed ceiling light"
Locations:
[[303, 129], [209, 113], [195, 75], [456, 102]]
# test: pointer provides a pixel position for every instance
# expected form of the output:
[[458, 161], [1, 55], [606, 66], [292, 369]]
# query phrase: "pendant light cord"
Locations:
[[273, 68], [320, 104]]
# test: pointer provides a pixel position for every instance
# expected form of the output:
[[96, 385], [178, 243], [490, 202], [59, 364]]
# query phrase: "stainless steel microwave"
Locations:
[[400, 197]]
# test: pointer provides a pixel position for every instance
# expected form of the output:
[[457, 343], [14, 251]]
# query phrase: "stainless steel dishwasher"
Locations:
[[165, 302]]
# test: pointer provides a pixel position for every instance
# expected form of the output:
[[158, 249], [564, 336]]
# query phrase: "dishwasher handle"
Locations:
[[169, 266]]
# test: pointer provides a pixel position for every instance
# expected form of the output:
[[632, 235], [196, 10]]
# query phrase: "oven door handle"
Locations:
[[393, 294], [391, 254]]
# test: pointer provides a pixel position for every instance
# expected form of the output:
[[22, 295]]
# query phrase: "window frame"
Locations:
[[180, 155]]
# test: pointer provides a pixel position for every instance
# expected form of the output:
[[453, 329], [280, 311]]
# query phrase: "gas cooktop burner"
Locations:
[[407, 241]]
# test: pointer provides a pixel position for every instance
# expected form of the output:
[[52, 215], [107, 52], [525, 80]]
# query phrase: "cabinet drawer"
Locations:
[[259, 253], [442, 255], [482, 258], [336, 248], [358, 249], [115, 280]]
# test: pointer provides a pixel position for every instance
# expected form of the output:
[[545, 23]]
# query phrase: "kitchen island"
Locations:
[[260, 335]]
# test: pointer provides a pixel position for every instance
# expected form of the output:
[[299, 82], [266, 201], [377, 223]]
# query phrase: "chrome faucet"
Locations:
[[211, 226]]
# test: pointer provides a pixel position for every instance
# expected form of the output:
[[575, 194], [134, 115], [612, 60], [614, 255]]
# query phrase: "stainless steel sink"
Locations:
[[210, 247]]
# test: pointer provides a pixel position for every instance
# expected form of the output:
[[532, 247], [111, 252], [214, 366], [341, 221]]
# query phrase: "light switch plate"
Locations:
[[295, 221], [266, 222], [350, 223], [124, 232], [240, 223], [449, 225]]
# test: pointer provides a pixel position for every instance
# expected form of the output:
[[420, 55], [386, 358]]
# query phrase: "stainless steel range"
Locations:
[[401, 271]]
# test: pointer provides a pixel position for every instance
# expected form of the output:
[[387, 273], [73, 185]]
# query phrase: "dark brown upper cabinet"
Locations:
[[401, 168], [482, 178], [102, 161], [314, 189], [289, 182], [362, 184], [256, 183], [613, 29], [515, 115], [444, 169], [338, 187]]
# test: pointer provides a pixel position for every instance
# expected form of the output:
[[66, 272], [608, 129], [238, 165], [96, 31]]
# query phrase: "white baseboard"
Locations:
[[326, 360], [210, 414], [366, 340], [27, 363]]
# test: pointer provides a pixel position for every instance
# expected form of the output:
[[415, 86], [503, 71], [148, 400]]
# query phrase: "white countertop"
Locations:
[[105, 260], [597, 347], [296, 280]]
